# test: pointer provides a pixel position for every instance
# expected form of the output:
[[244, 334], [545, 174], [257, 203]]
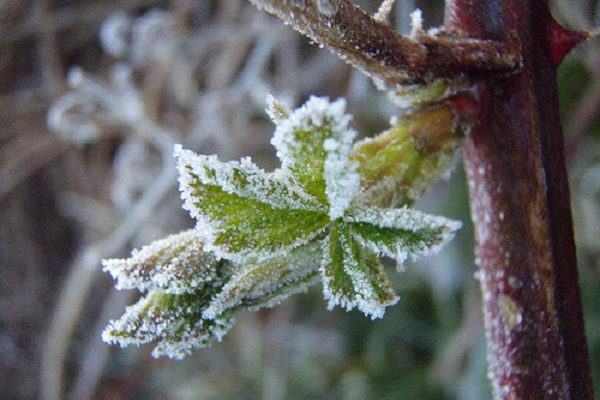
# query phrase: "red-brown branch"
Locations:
[[521, 210], [390, 58]]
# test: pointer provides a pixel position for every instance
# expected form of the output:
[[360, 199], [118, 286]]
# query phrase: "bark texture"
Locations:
[[391, 59], [521, 210]]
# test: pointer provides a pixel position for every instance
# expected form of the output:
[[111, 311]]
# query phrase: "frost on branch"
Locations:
[[263, 236]]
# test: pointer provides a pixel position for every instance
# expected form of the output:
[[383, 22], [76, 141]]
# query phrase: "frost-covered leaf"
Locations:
[[265, 284], [263, 236], [174, 322], [353, 275], [175, 264], [341, 178], [243, 179], [396, 233], [301, 140], [243, 212]]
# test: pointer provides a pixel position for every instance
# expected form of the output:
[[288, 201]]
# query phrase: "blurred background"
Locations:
[[93, 95]]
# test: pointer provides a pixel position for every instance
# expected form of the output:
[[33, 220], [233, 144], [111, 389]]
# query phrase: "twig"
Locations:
[[389, 58], [521, 212]]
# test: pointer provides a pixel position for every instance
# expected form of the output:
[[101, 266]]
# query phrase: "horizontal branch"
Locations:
[[392, 59]]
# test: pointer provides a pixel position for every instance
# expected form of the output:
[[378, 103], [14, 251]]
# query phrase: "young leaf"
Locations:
[[396, 233], [175, 264], [244, 212], [265, 284], [173, 321], [300, 141], [255, 219], [353, 275], [262, 236]]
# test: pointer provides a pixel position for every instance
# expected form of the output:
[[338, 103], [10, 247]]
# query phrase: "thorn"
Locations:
[[594, 33], [383, 13], [564, 40], [416, 22]]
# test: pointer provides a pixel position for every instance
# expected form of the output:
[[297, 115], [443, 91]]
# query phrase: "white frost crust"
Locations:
[[145, 322], [175, 264], [276, 110], [341, 177], [364, 297], [276, 190], [405, 219], [315, 113], [273, 280], [416, 22], [383, 13]]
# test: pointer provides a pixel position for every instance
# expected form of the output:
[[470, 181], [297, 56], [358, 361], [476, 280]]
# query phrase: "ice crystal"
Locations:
[[276, 110], [263, 236], [257, 285]]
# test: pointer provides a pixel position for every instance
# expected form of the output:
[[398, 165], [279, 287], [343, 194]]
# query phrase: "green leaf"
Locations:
[[173, 321], [268, 283], [261, 237], [353, 275], [300, 137], [175, 264], [243, 212], [396, 233], [243, 179]]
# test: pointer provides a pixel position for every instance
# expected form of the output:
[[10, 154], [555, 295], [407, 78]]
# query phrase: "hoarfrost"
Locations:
[[383, 13], [276, 110], [172, 321], [244, 212], [416, 22], [401, 231], [243, 178], [175, 264], [341, 179], [316, 116], [319, 120], [327, 7], [263, 236], [352, 283], [268, 283]]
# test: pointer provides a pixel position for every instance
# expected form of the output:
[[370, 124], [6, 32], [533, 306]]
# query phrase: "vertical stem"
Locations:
[[521, 211]]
